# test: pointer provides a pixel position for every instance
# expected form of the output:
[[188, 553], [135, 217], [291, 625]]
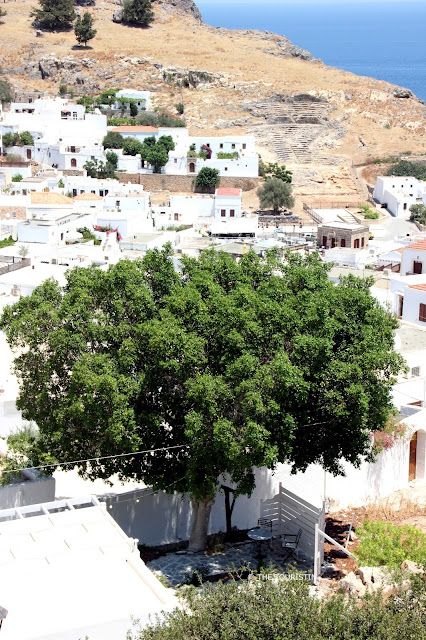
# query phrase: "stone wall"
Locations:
[[20, 213], [163, 182]]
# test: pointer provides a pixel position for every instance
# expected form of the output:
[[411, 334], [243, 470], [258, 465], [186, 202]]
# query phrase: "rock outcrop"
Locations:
[[187, 7]]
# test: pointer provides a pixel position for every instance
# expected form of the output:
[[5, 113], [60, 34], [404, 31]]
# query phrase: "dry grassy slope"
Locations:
[[249, 72]]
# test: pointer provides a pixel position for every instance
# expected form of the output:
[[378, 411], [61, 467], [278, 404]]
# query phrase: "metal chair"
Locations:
[[289, 543], [264, 523]]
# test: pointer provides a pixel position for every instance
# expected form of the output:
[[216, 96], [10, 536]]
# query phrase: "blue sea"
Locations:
[[384, 39]]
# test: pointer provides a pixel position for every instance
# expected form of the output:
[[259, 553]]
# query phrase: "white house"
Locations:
[[399, 193], [52, 219], [142, 98]]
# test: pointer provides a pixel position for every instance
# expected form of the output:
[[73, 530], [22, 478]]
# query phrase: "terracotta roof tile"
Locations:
[[421, 244], [421, 287], [50, 197], [228, 191]]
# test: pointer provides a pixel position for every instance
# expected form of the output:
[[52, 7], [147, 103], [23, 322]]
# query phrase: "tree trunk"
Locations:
[[200, 525], [229, 507]]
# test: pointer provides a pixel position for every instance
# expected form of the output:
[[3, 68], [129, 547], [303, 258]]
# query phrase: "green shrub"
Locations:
[[207, 178], [227, 156], [386, 544], [7, 242], [406, 168], [138, 12], [418, 213], [369, 214], [17, 178], [284, 610], [179, 108]]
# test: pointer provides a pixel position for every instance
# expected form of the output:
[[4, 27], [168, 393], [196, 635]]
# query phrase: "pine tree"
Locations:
[[54, 14], [83, 28], [138, 12]]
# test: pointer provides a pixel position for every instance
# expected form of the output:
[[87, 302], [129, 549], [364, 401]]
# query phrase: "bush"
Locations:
[[406, 168], [275, 194], [7, 242], [418, 213], [138, 12], [179, 108], [284, 610], [54, 14], [132, 147], [26, 139], [17, 178], [369, 214], [9, 140], [6, 92], [99, 169], [227, 156], [133, 109], [386, 544]]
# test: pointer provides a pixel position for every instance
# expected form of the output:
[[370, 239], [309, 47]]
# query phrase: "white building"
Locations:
[[142, 98], [399, 193], [52, 220]]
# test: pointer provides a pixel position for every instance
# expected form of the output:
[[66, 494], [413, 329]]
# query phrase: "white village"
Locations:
[[77, 192]]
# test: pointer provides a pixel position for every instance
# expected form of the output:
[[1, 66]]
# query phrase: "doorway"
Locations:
[[412, 458], [417, 267]]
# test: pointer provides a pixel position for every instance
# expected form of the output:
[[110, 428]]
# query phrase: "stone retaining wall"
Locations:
[[20, 213], [162, 182]]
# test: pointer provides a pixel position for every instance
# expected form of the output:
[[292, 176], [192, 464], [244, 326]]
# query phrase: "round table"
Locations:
[[260, 535]]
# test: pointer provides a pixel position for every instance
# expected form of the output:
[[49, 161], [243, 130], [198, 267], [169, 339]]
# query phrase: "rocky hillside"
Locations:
[[301, 111]]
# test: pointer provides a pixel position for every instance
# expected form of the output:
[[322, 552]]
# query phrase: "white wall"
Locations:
[[409, 256], [29, 492], [247, 167]]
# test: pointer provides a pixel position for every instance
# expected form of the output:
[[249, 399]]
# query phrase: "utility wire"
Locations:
[[74, 462]]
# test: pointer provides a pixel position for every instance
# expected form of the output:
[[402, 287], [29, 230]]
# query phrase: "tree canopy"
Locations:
[[83, 28], [113, 140], [207, 178], [275, 194], [54, 14], [407, 168], [138, 12], [237, 365]]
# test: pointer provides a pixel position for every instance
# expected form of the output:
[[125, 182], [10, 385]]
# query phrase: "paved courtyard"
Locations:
[[174, 566]]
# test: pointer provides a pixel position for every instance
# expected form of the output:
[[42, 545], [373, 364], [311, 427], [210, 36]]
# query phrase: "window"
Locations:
[[175, 160], [106, 192], [362, 242], [226, 168], [208, 145], [223, 213], [72, 149], [324, 241], [74, 115], [92, 157], [13, 214], [422, 312], [221, 145], [117, 203], [356, 243], [404, 206], [232, 146], [415, 372], [176, 217], [74, 192], [232, 213], [101, 193], [244, 145], [343, 242]]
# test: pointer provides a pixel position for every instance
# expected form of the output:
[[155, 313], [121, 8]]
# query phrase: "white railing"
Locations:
[[289, 513]]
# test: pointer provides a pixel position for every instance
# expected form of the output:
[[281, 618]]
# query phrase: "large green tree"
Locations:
[[236, 365], [275, 194], [207, 178], [138, 12], [83, 28], [54, 14]]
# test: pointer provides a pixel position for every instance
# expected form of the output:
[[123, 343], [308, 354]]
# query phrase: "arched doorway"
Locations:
[[192, 167], [73, 162]]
